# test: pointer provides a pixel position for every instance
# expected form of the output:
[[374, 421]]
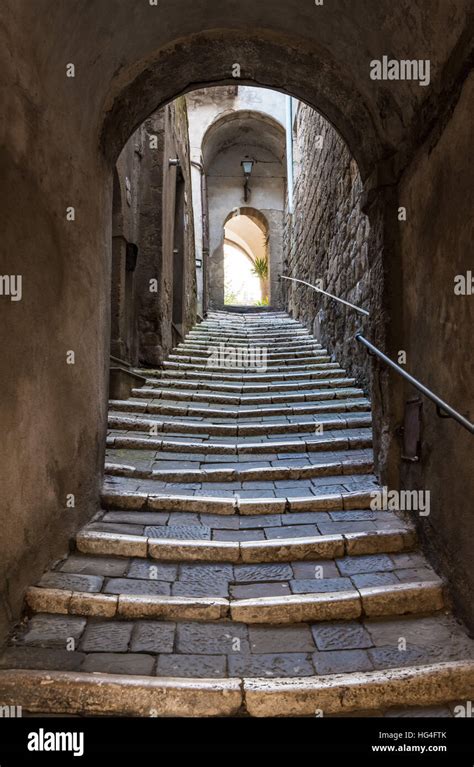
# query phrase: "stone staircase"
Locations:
[[236, 566]]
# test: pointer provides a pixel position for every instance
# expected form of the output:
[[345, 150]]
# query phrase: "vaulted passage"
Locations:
[[236, 309], [238, 544]]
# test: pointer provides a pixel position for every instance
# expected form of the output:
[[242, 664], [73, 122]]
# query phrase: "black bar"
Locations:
[[348, 737]]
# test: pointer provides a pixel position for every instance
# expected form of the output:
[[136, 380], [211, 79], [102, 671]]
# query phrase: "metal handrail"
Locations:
[[440, 404], [330, 295]]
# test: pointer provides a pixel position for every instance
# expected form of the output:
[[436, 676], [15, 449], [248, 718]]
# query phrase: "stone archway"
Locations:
[[246, 230], [231, 138]]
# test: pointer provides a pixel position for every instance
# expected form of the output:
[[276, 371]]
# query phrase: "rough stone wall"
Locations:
[[435, 247], [141, 316], [327, 239], [125, 234], [150, 242], [179, 121], [176, 146]]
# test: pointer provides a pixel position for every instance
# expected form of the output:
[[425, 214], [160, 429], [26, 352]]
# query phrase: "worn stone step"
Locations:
[[245, 359], [337, 389], [238, 379], [289, 345], [328, 441], [274, 331], [249, 377], [219, 351], [262, 605], [282, 338], [290, 368], [230, 387], [108, 694], [365, 691], [333, 379], [126, 606], [334, 405], [63, 692], [194, 351], [400, 599], [124, 421], [380, 601], [233, 504], [262, 473], [90, 541]]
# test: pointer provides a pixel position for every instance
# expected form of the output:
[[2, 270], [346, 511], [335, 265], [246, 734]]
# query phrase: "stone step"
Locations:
[[315, 444], [333, 405], [191, 352], [264, 473], [337, 389], [62, 692], [289, 345], [379, 601], [90, 541], [227, 604], [233, 504], [246, 359], [213, 385], [249, 377], [362, 525], [290, 368], [274, 329], [276, 350], [73, 692], [365, 691], [124, 421], [317, 364], [252, 337], [245, 320]]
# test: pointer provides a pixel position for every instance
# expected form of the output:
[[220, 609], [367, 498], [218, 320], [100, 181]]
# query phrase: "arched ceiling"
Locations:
[[251, 129], [247, 235], [131, 58]]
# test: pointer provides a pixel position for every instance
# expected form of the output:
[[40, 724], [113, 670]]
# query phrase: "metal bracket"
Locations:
[[440, 413], [411, 430]]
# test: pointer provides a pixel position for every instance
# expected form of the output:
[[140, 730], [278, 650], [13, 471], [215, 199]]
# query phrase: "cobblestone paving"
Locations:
[[184, 456]]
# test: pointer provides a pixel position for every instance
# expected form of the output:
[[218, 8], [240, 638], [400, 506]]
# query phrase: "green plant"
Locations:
[[263, 302], [260, 268]]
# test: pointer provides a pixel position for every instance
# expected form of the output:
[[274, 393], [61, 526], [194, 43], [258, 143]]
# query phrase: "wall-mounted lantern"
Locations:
[[247, 167]]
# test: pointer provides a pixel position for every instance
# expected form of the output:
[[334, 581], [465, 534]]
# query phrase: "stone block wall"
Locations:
[[150, 227], [145, 217], [327, 239], [180, 130]]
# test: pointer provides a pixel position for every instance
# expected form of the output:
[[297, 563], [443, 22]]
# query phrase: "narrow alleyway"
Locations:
[[237, 566]]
